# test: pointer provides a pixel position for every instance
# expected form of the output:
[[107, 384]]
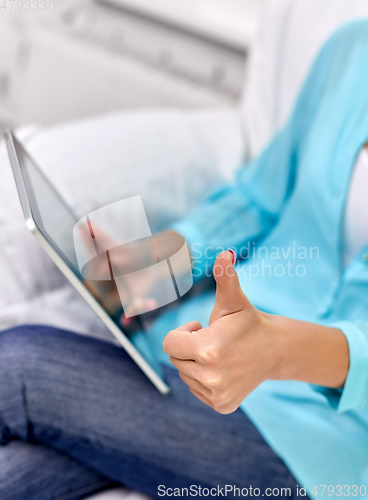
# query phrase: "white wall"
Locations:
[[83, 58]]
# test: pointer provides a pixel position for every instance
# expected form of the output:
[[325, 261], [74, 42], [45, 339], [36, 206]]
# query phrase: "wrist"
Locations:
[[279, 333], [309, 352]]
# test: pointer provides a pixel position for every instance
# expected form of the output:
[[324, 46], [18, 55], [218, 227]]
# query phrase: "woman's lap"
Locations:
[[87, 399]]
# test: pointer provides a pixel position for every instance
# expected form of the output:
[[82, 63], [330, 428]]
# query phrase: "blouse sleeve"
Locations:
[[245, 210], [355, 391]]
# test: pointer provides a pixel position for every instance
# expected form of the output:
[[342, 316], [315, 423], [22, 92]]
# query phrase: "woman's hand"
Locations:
[[123, 259], [224, 362], [242, 347], [141, 293]]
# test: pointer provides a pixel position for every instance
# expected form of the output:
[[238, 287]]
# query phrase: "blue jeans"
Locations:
[[77, 414]]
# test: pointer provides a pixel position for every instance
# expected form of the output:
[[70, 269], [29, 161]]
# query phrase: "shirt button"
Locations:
[[337, 276], [365, 257]]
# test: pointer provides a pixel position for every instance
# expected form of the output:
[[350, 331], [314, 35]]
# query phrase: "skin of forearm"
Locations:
[[309, 352]]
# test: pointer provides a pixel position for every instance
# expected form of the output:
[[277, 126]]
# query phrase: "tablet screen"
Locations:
[[56, 221]]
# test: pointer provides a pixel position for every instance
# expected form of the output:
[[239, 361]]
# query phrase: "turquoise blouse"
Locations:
[[284, 216]]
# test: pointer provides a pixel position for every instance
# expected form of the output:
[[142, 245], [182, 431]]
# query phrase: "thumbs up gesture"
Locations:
[[224, 362]]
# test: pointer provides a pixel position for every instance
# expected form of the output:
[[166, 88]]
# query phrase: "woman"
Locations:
[[76, 413]]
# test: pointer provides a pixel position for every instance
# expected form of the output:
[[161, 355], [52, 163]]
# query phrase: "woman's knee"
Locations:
[[21, 343], [26, 347]]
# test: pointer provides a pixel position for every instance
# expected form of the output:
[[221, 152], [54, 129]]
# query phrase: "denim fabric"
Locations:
[[33, 471], [75, 412]]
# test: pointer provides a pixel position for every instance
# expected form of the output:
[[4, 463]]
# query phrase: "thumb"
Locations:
[[229, 295]]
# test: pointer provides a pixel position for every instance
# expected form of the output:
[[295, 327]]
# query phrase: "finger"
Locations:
[[125, 321], [229, 295], [87, 231], [97, 268], [140, 306], [86, 239], [182, 342], [187, 367], [202, 398], [101, 237], [191, 326], [195, 384]]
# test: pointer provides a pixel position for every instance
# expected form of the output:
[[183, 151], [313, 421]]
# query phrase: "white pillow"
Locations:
[[93, 163]]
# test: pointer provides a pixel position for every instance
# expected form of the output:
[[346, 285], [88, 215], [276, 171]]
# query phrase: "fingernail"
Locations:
[[126, 321], [234, 255]]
